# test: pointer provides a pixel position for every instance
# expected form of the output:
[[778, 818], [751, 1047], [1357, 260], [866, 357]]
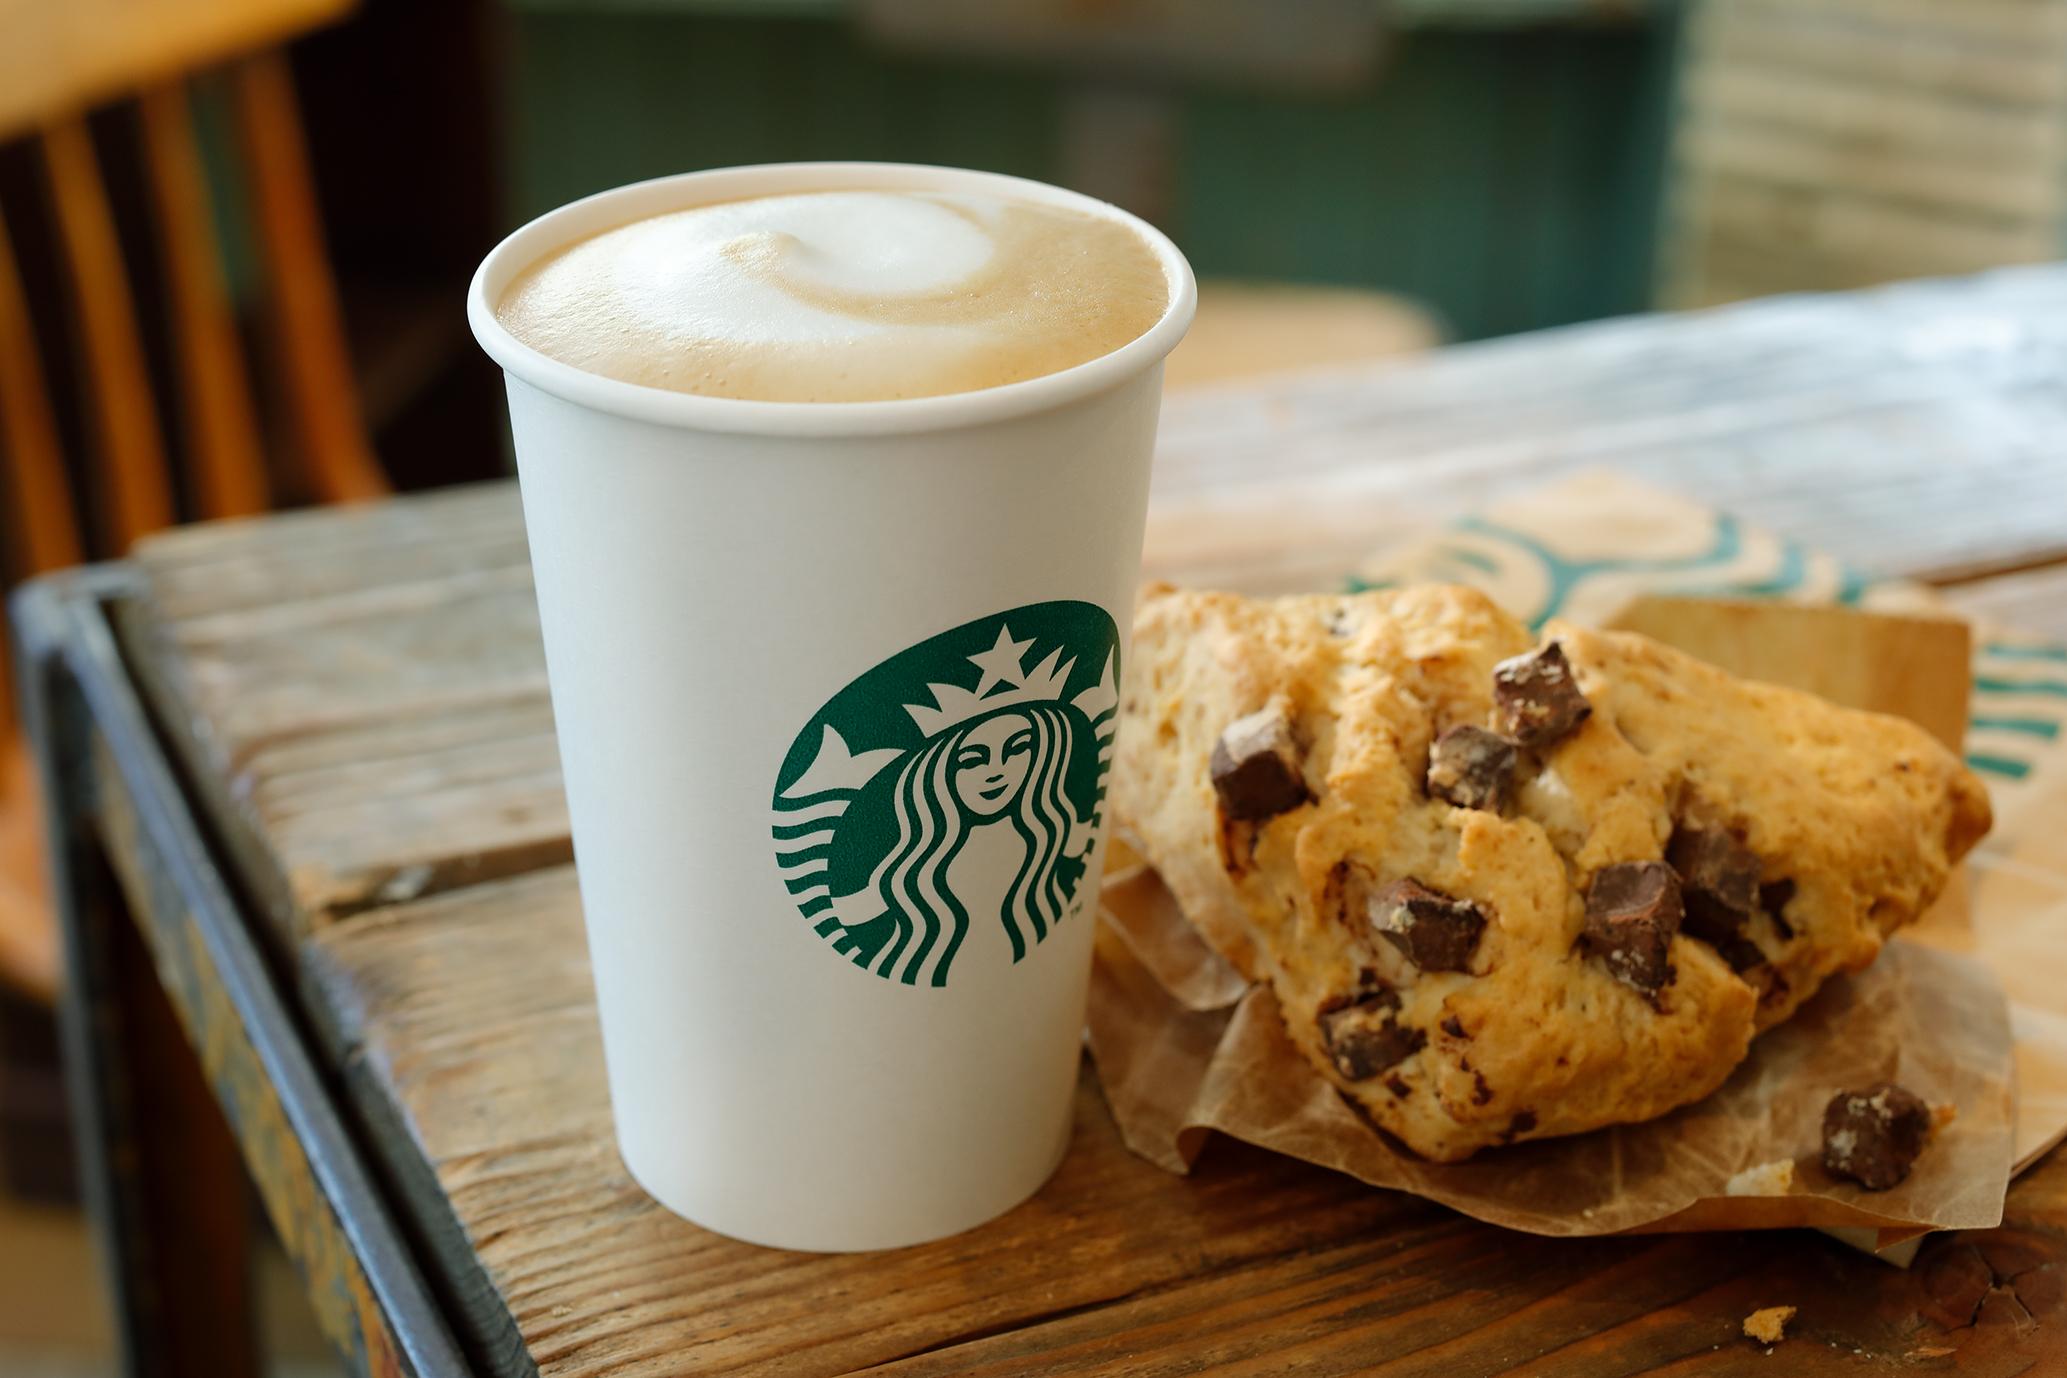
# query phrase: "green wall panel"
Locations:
[[1507, 178]]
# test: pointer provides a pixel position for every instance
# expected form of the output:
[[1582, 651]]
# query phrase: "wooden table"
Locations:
[[309, 817]]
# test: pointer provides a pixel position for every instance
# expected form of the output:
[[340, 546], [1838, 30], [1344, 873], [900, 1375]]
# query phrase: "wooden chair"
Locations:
[[202, 451]]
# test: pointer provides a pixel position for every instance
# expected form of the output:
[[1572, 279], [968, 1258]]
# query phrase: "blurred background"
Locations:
[[234, 236]]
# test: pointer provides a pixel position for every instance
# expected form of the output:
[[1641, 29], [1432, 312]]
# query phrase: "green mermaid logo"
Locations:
[[939, 814]]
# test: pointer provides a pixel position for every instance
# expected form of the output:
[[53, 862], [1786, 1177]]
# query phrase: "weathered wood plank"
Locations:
[[1475, 1301], [1903, 430], [419, 758], [470, 1018], [361, 692], [220, 567], [468, 1022]]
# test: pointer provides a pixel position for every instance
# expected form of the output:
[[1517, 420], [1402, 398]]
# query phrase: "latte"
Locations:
[[842, 296]]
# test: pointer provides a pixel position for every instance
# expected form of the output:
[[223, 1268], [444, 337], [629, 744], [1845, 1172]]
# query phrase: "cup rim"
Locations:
[[556, 229]]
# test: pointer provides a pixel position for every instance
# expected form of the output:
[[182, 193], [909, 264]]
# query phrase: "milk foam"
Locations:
[[842, 296]]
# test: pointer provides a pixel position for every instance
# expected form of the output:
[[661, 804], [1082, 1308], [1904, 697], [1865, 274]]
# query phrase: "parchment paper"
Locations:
[[1212, 1054], [1184, 1047]]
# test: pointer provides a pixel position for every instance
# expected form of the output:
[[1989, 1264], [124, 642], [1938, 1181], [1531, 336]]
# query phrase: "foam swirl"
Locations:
[[842, 296]]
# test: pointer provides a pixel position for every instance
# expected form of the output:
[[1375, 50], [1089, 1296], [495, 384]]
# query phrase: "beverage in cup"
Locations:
[[834, 477]]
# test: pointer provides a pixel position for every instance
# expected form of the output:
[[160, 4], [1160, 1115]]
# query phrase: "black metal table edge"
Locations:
[[75, 685]]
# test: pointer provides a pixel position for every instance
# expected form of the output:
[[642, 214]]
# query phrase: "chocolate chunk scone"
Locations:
[[1507, 888]]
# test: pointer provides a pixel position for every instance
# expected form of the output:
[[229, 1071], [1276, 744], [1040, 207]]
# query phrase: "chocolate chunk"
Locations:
[[1471, 768], [1874, 1136], [1480, 1092], [1454, 1027], [1632, 911], [1718, 878], [1256, 767], [1435, 932], [1522, 1123], [1397, 1084], [1774, 897], [1741, 953], [1536, 700], [1362, 1038]]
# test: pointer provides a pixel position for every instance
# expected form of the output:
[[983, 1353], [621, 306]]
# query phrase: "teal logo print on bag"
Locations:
[[937, 816]]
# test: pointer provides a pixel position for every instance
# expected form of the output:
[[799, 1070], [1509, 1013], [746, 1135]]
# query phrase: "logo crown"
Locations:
[[1004, 681]]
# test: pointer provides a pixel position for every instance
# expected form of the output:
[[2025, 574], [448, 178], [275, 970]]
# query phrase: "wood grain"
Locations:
[[1904, 431], [363, 693], [420, 757], [360, 699], [468, 1022]]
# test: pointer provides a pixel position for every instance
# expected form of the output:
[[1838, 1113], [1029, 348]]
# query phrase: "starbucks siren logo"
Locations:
[[938, 814]]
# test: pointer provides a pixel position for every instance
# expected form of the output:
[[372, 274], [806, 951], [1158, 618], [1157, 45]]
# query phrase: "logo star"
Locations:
[[1002, 662]]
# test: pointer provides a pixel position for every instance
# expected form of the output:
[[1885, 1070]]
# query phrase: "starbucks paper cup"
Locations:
[[835, 686]]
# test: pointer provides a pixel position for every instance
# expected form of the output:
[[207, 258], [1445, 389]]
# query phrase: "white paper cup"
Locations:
[[834, 685]]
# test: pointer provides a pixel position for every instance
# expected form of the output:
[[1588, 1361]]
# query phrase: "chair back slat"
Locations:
[[44, 530], [301, 296], [135, 493], [45, 534], [228, 474]]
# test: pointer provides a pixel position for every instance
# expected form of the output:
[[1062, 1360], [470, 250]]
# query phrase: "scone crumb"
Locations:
[[1763, 1179], [1769, 1325]]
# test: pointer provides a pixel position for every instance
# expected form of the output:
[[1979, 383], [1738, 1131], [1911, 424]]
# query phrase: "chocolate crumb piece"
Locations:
[[1471, 768], [1874, 1136], [1768, 1326], [1454, 1027], [1536, 700], [1523, 1122], [1774, 897], [1718, 879], [1435, 932], [1632, 912], [1398, 1086], [1363, 1038], [1256, 768], [1480, 1092]]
